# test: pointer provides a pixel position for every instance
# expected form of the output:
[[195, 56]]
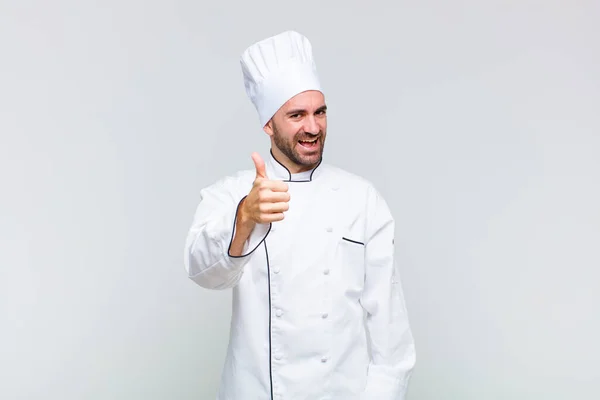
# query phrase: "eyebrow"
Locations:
[[302, 111]]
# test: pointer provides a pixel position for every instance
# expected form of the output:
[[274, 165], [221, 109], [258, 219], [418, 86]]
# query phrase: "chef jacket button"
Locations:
[[326, 272], [329, 229], [276, 270], [279, 313], [334, 188], [324, 359], [278, 356], [324, 315]]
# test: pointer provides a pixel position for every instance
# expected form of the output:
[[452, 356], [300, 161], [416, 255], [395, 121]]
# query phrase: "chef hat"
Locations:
[[276, 69]]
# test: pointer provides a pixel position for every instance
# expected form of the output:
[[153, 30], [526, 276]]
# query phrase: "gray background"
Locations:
[[478, 121]]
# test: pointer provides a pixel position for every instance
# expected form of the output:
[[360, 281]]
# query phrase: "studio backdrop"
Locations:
[[477, 121]]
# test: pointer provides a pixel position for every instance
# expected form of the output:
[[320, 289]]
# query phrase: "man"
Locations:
[[318, 310]]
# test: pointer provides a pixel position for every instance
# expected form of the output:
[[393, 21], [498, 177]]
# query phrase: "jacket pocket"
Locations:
[[351, 264], [352, 241]]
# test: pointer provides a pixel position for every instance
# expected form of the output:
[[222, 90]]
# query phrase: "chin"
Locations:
[[311, 159]]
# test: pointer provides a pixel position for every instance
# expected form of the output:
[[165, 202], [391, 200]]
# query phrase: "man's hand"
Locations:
[[267, 200]]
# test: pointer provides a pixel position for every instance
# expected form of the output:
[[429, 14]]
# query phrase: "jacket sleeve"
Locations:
[[391, 341], [207, 259]]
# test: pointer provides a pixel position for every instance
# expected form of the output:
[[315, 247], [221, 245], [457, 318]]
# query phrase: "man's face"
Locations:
[[298, 130]]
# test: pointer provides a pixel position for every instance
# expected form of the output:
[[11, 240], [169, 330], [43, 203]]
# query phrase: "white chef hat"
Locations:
[[276, 69]]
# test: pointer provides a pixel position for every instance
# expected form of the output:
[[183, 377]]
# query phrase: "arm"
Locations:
[[242, 232], [220, 239], [391, 341]]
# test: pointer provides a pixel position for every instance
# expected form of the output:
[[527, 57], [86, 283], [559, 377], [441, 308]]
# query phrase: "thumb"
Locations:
[[259, 164]]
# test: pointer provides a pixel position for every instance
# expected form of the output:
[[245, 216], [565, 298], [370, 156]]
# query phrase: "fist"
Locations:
[[267, 200]]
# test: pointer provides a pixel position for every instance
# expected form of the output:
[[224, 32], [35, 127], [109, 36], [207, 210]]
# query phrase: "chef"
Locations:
[[307, 249]]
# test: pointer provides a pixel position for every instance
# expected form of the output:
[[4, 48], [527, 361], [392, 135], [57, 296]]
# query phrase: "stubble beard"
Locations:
[[288, 148]]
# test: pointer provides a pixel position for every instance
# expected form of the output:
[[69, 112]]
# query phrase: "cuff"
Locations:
[[257, 236], [384, 387]]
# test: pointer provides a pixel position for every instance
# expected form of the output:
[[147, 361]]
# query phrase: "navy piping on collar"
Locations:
[[289, 172]]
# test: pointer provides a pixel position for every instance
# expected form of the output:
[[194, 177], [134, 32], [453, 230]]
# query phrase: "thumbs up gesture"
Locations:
[[268, 199]]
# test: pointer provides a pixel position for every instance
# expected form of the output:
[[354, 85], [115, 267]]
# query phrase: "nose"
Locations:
[[311, 126]]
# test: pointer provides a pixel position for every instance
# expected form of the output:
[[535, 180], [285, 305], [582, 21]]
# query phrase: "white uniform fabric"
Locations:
[[301, 288], [276, 69]]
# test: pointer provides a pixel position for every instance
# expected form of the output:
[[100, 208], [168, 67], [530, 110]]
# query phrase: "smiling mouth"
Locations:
[[309, 144]]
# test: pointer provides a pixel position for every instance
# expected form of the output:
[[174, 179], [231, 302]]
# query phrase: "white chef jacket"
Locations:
[[318, 310]]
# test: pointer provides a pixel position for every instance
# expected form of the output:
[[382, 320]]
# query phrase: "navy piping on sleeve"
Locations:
[[233, 233]]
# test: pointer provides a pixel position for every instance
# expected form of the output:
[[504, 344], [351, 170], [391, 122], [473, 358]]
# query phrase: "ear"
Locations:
[[268, 128]]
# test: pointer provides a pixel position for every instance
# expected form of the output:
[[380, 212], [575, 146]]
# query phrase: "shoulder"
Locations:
[[235, 184], [357, 188], [349, 180]]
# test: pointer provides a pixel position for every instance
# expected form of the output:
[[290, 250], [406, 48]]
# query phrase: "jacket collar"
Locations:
[[278, 171]]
